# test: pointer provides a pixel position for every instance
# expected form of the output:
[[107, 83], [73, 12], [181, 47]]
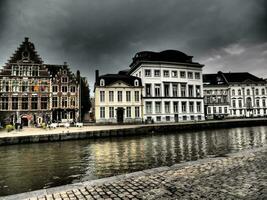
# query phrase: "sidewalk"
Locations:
[[241, 175]]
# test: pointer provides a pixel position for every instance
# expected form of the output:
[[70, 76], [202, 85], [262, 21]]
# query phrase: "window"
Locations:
[[148, 90], [191, 106], [157, 90], [102, 82], [183, 90], [64, 102], [175, 90], [192, 118], [54, 102], [166, 73], [15, 86], [258, 103], [214, 110], [167, 107], [102, 96], [148, 107], [147, 72], [15, 103], [209, 110], [54, 88], [183, 106], [128, 112], [120, 96], [239, 92], [166, 90], [64, 88], [136, 83], [168, 118], [175, 107], [44, 86], [102, 112], [197, 75], [158, 118], [233, 92], [128, 96], [64, 79], [220, 110], [174, 74], [111, 112], [157, 73], [190, 75], [34, 103], [198, 106], [262, 91], [4, 103], [5, 87], [25, 87], [263, 103], [111, 96], [225, 110], [24, 103], [158, 107], [233, 102], [72, 89], [72, 101], [136, 96], [184, 118], [198, 94], [190, 90], [257, 91], [240, 103], [137, 112], [44, 103], [182, 74], [248, 91]]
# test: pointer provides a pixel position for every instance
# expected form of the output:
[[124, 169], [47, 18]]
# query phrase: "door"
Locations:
[[24, 121], [176, 117], [120, 115]]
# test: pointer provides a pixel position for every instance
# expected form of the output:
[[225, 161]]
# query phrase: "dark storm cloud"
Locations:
[[106, 34]]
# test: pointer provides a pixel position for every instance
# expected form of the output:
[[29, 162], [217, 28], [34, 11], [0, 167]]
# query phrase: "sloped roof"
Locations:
[[112, 78], [241, 77], [26, 53], [214, 79]]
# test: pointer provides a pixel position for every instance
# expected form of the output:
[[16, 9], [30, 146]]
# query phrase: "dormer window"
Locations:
[[64, 79], [136, 83], [102, 82]]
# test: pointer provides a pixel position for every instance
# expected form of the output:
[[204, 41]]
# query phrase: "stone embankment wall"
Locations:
[[137, 130]]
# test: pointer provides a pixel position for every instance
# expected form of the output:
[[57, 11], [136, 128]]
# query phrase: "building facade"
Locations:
[[172, 86], [32, 92], [216, 96], [246, 96], [118, 99]]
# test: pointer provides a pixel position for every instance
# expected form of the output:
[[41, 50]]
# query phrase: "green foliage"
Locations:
[[43, 125], [9, 128]]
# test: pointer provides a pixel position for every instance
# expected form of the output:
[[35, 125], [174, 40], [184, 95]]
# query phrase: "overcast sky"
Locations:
[[226, 35]]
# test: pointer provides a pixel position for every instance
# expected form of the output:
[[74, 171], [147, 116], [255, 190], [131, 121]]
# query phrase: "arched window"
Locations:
[[239, 92], [102, 82], [262, 91], [136, 83], [233, 92], [248, 91]]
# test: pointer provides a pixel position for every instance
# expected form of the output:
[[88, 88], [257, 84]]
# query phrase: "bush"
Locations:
[[43, 125], [9, 128]]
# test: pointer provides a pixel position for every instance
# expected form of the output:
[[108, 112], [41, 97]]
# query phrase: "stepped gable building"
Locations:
[[247, 94], [118, 98], [32, 92], [172, 86]]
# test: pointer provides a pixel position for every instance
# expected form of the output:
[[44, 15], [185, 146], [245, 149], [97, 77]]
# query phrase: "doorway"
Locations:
[[176, 117], [120, 115], [25, 121]]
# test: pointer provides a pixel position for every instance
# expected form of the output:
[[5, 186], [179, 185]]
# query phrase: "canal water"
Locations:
[[35, 166]]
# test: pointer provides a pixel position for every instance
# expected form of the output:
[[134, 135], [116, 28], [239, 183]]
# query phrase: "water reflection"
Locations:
[[35, 166]]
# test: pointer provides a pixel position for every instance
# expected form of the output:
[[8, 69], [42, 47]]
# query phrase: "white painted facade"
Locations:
[[248, 100], [172, 92]]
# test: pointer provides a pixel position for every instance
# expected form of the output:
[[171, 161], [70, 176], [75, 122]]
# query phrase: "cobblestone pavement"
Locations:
[[241, 175]]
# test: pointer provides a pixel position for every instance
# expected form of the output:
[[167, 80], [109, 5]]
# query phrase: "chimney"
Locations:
[[96, 75]]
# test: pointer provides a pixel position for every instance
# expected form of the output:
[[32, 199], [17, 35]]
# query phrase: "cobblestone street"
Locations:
[[235, 176]]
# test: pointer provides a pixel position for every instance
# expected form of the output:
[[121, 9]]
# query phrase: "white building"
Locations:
[[172, 86], [247, 94], [118, 99]]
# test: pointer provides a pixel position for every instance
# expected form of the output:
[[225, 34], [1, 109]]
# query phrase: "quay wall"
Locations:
[[138, 130]]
